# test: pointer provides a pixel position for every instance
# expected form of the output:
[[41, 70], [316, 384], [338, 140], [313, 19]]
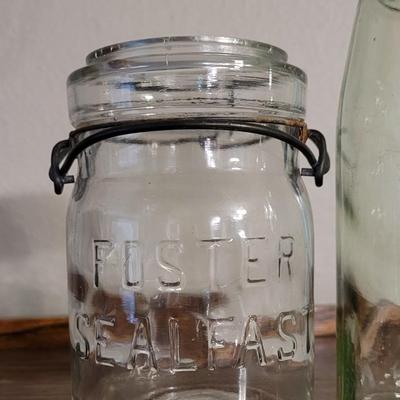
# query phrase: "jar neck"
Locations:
[[187, 153]]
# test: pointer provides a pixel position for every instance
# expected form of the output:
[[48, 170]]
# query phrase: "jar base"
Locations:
[[209, 394]]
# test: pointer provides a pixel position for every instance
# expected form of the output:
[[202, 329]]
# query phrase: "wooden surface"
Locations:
[[30, 374], [325, 320], [34, 333], [34, 358], [53, 332]]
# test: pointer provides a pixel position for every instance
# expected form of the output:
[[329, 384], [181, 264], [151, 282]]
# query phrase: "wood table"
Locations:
[[30, 374]]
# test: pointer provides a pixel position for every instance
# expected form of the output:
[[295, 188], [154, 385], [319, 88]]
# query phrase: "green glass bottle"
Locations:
[[368, 208]]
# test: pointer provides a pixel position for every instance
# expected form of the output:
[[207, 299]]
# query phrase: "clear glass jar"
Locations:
[[190, 251], [368, 208]]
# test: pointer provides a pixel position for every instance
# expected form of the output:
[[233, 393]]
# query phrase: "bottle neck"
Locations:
[[372, 77], [392, 4]]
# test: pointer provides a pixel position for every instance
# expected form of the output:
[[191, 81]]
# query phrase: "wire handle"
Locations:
[[66, 151]]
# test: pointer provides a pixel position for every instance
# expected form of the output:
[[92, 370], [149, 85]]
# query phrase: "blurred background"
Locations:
[[42, 41]]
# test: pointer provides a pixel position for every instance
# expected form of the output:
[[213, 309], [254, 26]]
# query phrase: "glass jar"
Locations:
[[368, 208], [189, 231]]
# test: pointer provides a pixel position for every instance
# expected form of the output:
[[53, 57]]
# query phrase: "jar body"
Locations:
[[190, 269], [367, 208], [190, 252]]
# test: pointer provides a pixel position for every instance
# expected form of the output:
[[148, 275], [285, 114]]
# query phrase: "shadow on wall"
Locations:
[[32, 254]]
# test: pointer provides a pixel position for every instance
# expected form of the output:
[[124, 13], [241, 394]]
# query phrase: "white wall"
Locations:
[[42, 41]]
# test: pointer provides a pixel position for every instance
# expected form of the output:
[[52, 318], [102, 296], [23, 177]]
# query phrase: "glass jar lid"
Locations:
[[182, 77]]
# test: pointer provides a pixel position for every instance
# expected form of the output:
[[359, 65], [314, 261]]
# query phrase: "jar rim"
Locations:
[[184, 75], [176, 43]]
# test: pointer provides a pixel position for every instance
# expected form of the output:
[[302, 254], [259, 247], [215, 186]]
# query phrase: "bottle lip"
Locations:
[[185, 44]]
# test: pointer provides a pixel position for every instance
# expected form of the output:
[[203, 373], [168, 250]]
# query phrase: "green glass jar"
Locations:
[[368, 211]]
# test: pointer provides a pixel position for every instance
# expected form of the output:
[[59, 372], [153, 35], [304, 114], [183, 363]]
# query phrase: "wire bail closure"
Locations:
[[66, 151]]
